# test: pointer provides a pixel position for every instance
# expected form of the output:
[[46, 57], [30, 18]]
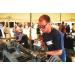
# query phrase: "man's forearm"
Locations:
[[58, 52]]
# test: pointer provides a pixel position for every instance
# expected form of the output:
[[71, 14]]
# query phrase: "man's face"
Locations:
[[44, 26]]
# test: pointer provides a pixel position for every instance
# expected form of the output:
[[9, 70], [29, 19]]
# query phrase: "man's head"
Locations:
[[44, 23]]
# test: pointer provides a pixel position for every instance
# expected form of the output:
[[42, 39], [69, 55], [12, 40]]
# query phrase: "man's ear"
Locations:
[[50, 23]]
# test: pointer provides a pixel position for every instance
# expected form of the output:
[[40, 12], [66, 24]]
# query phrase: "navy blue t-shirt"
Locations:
[[52, 40]]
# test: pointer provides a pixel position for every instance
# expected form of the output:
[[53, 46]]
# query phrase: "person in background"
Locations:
[[67, 29], [6, 31], [0, 33], [1, 27], [73, 27], [51, 37], [38, 31], [14, 30], [62, 31], [18, 33], [20, 37]]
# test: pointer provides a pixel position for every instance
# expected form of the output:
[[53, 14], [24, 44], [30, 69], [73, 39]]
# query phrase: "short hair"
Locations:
[[45, 17]]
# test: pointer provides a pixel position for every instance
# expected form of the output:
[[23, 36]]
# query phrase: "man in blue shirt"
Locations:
[[51, 36]]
